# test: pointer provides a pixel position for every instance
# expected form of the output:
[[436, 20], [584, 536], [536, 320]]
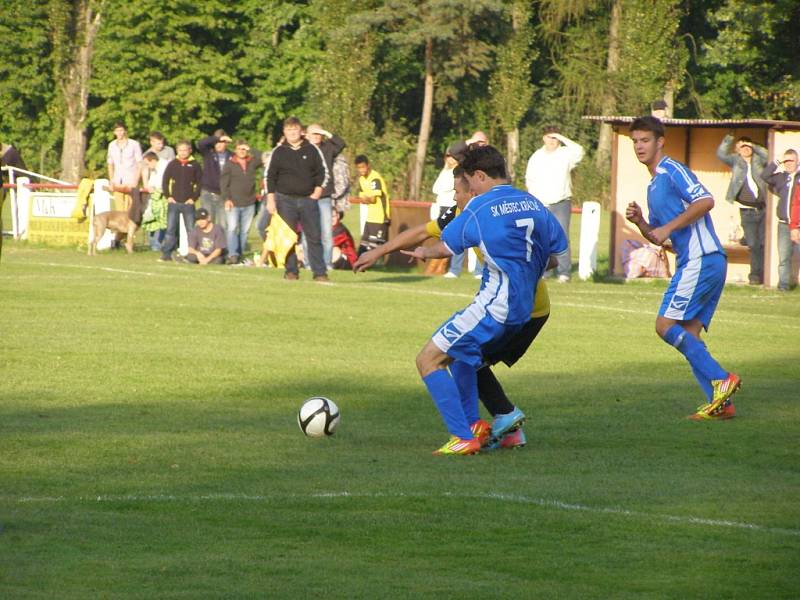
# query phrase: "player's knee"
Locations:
[[662, 326]]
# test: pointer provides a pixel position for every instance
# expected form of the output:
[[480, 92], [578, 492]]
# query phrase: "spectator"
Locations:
[[344, 248], [215, 153], [238, 185], [659, 109], [154, 219], [782, 176], [331, 146], [341, 184], [206, 241], [372, 188], [181, 186], [478, 139], [445, 189], [548, 178], [158, 146], [124, 158], [295, 180], [750, 191]]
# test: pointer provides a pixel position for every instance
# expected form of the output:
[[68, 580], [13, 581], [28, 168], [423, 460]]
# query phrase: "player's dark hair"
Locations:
[[184, 143], [362, 159], [290, 121], [648, 123], [150, 156], [487, 159], [119, 124], [791, 151], [220, 133], [157, 135], [745, 139], [552, 129]]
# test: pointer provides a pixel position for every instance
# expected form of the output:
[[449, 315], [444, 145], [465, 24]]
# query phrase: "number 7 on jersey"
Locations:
[[528, 225]]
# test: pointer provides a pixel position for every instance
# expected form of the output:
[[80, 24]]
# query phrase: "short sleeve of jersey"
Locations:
[[461, 233], [432, 229], [686, 184]]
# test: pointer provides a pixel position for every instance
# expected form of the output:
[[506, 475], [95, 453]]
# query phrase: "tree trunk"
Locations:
[[75, 87], [603, 157], [425, 124], [669, 98], [512, 153]]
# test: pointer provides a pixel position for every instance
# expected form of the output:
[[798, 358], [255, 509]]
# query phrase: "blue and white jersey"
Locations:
[[516, 235], [672, 189]]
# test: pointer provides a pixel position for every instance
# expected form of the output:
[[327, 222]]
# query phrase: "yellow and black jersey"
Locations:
[[373, 186], [541, 304]]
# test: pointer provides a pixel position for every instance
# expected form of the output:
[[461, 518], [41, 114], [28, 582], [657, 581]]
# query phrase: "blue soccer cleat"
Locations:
[[502, 424], [515, 439]]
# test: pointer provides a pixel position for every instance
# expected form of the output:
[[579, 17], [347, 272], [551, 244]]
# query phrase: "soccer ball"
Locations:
[[318, 417]]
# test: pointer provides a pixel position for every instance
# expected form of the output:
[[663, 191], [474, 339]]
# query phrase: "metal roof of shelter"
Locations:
[[741, 123]]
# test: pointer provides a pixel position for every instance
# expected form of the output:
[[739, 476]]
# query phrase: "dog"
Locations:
[[118, 222]]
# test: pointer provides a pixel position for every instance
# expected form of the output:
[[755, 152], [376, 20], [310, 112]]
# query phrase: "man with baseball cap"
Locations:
[[206, 241]]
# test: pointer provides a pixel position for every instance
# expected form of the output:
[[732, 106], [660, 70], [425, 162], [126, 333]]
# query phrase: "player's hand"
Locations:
[[190, 202], [795, 235], [228, 204], [366, 260], [418, 252], [271, 207], [171, 200], [659, 235], [633, 212]]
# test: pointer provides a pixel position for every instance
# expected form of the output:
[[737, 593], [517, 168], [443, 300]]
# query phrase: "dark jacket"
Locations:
[[296, 172], [211, 170], [739, 168], [331, 148], [182, 180], [239, 183], [781, 185]]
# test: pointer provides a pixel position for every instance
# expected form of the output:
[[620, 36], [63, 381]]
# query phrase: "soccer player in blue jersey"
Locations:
[[518, 237], [678, 206]]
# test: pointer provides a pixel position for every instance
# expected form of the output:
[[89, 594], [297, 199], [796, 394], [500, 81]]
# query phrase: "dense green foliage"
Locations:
[[357, 67], [149, 449]]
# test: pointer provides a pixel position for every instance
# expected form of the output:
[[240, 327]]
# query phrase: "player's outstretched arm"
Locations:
[[406, 239], [437, 250]]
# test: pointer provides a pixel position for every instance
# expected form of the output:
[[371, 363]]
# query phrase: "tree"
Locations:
[[166, 65], [74, 27], [31, 116], [443, 31], [511, 86], [747, 64], [341, 90]]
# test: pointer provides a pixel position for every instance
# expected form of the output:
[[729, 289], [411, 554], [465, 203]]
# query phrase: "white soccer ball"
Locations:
[[318, 417]]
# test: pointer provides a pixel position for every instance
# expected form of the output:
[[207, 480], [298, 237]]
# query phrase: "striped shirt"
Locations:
[[516, 235], [672, 189]]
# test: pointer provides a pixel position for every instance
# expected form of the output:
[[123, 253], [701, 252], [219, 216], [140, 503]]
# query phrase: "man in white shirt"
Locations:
[[548, 178]]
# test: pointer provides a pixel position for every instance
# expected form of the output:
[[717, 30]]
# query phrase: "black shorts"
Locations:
[[516, 347], [375, 234]]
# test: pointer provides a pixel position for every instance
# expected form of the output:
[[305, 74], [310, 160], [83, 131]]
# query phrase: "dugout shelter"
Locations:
[[694, 142]]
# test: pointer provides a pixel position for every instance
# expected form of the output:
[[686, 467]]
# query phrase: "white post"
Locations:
[[362, 216], [590, 231], [183, 237], [13, 194], [22, 209]]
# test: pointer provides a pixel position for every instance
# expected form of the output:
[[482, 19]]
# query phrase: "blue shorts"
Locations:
[[695, 289], [471, 333]]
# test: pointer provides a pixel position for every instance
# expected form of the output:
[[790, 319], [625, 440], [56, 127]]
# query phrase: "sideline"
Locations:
[[396, 287], [498, 497]]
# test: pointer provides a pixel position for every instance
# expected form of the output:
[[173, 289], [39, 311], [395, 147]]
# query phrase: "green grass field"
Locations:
[[149, 448]]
